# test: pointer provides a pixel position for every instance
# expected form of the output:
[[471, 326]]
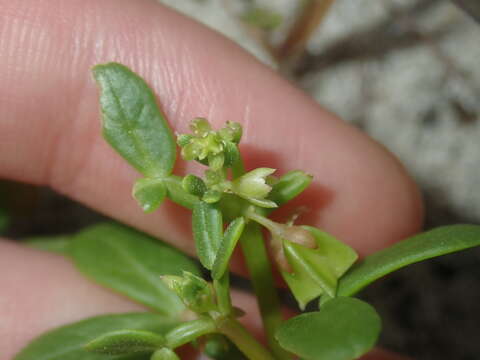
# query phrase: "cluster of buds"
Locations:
[[219, 151]]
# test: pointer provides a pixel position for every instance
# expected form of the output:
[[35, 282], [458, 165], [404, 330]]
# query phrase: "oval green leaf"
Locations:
[[131, 263], [207, 227], [230, 239], [132, 121], [430, 244], [67, 342], [126, 342], [289, 186], [149, 193], [344, 329], [177, 193]]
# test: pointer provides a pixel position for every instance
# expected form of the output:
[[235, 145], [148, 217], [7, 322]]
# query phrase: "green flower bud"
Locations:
[[164, 354], [196, 293], [194, 185], [200, 127], [215, 162], [212, 196], [183, 139], [192, 150], [231, 132]]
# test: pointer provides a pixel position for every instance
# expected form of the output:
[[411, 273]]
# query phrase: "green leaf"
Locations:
[[149, 193], [132, 121], [430, 244], [230, 239], [306, 263], [58, 244], [316, 271], [207, 227], [67, 342], [344, 329], [289, 186], [125, 342], [177, 193], [131, 263]]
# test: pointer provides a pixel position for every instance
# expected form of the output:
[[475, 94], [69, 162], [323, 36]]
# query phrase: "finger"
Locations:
[[49, 132], [40, 291]]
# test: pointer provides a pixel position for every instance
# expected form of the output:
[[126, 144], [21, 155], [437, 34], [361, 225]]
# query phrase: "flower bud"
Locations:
[[195, 293], [194, 185], [164, 354], [253, 187]]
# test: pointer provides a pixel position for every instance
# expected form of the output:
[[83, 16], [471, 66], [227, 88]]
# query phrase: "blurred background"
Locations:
[[406, 72]]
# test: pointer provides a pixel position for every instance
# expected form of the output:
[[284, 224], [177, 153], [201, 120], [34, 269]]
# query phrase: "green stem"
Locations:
[[222, 290], [260, 270], [189, 331], [247, 344]]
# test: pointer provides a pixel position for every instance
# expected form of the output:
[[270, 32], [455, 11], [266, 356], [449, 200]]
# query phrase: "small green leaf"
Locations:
[[132, 121], [230, 239], [207, 227], [149, 193], [212, 196], [164, 354], [306, 261], [131, 263], [338, 255], [67, 342], [177, 193], [344, 329], [125, 342], [58, 244], [316, 270], [430, 244], [289, 186]]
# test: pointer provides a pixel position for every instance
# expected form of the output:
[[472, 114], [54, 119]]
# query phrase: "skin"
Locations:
[[49, 135]]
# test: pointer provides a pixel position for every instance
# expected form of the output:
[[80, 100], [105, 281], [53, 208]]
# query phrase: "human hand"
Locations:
[[50, 135]]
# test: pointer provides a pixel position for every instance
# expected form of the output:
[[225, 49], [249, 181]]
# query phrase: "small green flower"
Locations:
[[253, 187], [217, 149]]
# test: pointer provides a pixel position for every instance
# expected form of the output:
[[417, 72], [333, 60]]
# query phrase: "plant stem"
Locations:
[[222, 289], [259, 268], [243, 340]]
